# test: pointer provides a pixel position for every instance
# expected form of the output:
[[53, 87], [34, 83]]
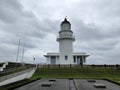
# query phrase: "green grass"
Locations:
[[77, 73], [98, 73]]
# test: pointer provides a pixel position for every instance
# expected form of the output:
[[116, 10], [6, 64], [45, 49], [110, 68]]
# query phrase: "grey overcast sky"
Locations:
[[95, 23]]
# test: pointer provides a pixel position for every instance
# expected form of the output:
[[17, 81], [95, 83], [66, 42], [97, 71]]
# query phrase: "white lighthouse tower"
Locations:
[[65, 40], [66, 54]]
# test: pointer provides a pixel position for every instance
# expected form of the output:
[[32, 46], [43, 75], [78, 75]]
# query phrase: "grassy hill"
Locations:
[[98, 73]]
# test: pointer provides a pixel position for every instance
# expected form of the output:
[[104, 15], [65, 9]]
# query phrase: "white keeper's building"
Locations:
[[66, 54]]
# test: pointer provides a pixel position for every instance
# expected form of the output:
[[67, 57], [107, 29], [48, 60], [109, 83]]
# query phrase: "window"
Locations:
[[66, 57]]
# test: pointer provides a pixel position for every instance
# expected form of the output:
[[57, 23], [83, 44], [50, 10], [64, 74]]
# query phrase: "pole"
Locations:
[[33, 60], [17, 52], [23, 53]]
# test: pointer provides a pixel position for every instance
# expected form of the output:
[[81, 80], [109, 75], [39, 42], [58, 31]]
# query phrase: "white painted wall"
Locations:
[[66, 48], [48, 60], [57, 60]]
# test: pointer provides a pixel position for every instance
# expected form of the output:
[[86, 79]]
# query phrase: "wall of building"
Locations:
[[48, 60], [66, 48]]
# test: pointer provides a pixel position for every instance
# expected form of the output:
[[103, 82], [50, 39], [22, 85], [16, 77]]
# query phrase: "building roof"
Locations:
[[80, 54], [74, 54], [52, 54], [65, 21]]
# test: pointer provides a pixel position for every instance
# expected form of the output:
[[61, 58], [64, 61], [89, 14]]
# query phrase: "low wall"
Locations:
[[17, 76]]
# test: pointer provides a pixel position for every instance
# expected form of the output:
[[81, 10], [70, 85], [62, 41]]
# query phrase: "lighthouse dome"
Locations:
[[65, 25], [65, 21]]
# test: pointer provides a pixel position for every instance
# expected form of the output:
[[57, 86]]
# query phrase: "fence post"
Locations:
[[48, 65], [117, 66], [93, 65], [81, 65], [105, 66], [70, 65], [59, 65]]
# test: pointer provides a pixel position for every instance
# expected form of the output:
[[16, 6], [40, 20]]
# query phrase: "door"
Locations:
[[53, 60]]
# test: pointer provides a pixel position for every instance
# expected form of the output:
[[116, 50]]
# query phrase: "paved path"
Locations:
[[2, 78], [83, 84], [66, 84], [60, 84]]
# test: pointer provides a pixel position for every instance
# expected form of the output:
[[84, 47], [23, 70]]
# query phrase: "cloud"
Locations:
[[9, 10], [36, 22]]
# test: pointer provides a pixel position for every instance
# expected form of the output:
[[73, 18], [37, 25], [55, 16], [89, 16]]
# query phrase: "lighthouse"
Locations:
[[66, 55], [66, 39]]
